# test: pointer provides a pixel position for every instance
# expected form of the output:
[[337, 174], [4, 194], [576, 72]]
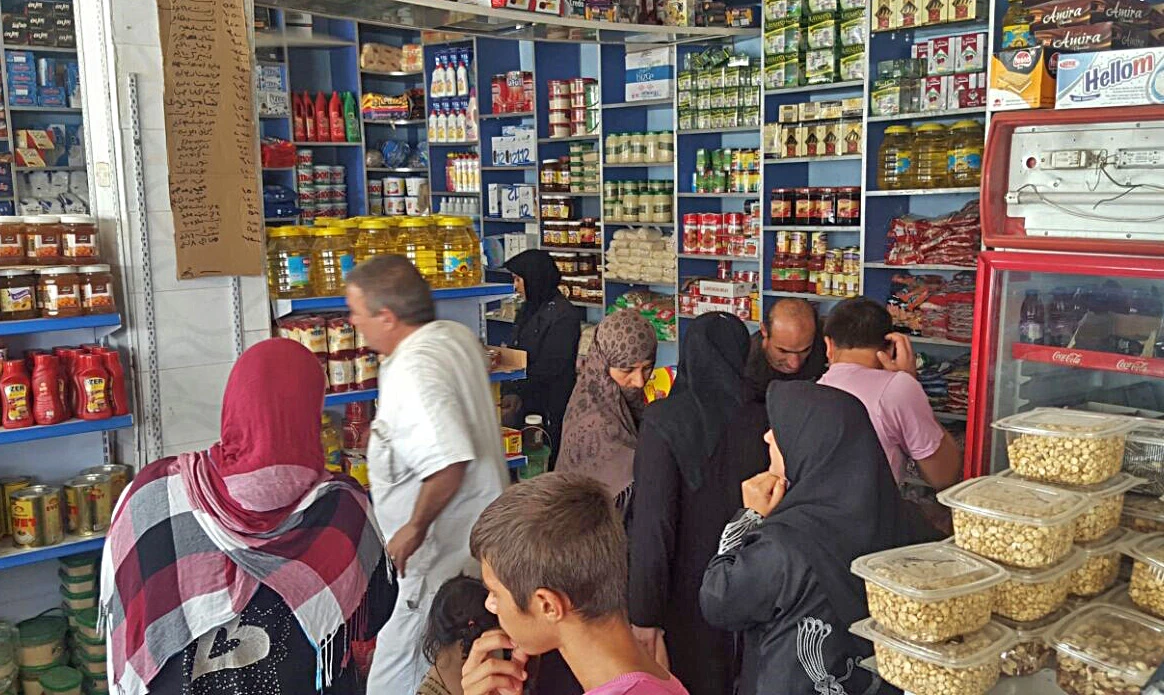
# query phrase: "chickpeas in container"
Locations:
[[1068, 447], [929, 592], [1106, 504], [1143, 513], [1013, 521], [1147, 586], [1030, 653], [1101, 564], [1105, 649], [1144, 456], [1031, 594], [967, 665]]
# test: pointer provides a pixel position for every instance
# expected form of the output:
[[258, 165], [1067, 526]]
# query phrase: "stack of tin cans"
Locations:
[[38, 515], [575, 107], [321, 187]]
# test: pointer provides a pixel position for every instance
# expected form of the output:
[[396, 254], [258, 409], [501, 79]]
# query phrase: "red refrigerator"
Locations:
[[1073, 212]]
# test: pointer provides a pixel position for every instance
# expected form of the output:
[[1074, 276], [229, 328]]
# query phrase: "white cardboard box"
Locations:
[[1113, 78], [729, 290], [649, 74]]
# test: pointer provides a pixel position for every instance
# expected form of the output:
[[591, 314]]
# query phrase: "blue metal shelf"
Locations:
[[291, 306], [65, 429], [334, 399], [73, 545], [46, 325]]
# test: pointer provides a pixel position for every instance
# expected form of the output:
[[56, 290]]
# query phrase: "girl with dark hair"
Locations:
[[458, 617]]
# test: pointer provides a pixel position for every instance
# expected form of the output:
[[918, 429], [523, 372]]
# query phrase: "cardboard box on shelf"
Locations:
[[511, 440], [969, 91], [1087, 38], [649, 74], [1019, 79], [885, 16], [970, 52], [1062, 13], [727, 290], [1111, 78]]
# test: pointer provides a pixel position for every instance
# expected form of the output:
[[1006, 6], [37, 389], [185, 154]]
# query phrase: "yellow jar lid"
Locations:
[[453, 221], [898, 130], [325, 221], [931, 128], [349, 223], [330, 231], [285, 231], [411, 222], [966, 125], [378, 223]]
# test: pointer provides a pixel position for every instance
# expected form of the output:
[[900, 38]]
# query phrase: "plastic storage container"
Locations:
[[1013, 521], [965, 154], [461, 252], [931, 147], [929, 592], [1101, 564], [42, 239], [289, 262], [41, 641], [1147, 585], [61, 680], [1106, 503], [11, 240], [1144, 456], [895, 159], [1030, 652], [1031, 594], [966, 665], [1143, 514], [331, 261], [1105, 649], [1071, 447]]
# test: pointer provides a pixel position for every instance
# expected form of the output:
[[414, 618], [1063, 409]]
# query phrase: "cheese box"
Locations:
[[511, 439], [1113, 78], [1019, 79]]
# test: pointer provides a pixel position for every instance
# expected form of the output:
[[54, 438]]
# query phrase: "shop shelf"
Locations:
[[484, 292], [637, 283], [757, 194], [951, 417], [458, 143], [272, 117], [965, 190], [922, 340], [393, 73], [274, 39], [960, 25], [1089, 359], [333, 399], [710, 257], [65, 429], [512, 167], [43, 109], [515, 462], [73, 545], [810, 296], [811, 228], [555, 194], [69, 324], [39, 49], [280, 220], [571, 249], [644, 104], [749, 323], [920, 266], [637, 165], [503, 116], [588, 305], [721, 131], [397, 170], [520, 220], [457, 194], [328, 144], [570, 138], [812, 160], [395, 122], [67, 168], [277, 169], [929, 115], [829, 87], [612, 223]]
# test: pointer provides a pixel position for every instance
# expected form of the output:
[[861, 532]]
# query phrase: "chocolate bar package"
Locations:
[[1085, 38], [1064, 13]]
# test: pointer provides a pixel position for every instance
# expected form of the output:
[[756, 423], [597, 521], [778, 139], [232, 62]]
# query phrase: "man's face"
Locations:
[[374, 327], [533, 630], [787, 344]]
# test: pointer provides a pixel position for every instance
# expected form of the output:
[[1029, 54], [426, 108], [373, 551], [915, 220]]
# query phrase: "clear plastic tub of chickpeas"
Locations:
[[1144, 456], [966, 665], [1143, 513], [1106, 650], [1030, 653], [1147, 586], [1030, 594], [1101, 564], [1069, 447], [929, 592], [1106, 504], [1014, 521]]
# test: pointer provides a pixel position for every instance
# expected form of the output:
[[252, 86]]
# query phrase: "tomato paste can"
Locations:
[[321, 174], [733, 224], [89, 503], [8, 486], [783, 242], [36, 516], [558, 88], [710, 228], [119, 476], [798, 244], [691, 233]]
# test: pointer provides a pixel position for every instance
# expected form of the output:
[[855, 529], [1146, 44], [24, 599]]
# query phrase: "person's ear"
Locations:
[[549, 605], [388, 317], [830, 346]]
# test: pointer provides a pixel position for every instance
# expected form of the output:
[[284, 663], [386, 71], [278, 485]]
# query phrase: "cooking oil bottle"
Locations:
[[421, 246], [895, 159], [351, 227], [965, 157], [333, 453], [461, 252], [331, 261], [289, 262], [932, 150], [377, 237]]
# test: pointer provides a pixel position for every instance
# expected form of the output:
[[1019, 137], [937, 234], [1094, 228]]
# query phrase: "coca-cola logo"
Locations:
[[1136, 366], [1078, 41], [1072, 358]]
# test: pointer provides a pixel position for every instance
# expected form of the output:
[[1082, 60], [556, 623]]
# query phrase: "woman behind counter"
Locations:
[[547, 328]]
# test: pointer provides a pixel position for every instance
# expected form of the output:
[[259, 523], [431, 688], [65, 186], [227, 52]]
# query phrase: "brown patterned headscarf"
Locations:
[[602, 420]]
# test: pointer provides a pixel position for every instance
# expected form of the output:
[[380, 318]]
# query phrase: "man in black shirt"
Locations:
[[788, 346]]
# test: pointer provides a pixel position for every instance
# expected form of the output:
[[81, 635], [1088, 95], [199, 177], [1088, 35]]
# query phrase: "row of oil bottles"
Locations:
[[315, 261]]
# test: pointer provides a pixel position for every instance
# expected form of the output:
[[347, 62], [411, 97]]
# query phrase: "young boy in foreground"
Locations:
[[553, 557]]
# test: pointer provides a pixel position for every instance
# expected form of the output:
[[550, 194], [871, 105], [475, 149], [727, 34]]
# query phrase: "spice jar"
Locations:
[[58, 292], [11, 241], [79, 240], [17, 294], [97, 290], [42, 235]]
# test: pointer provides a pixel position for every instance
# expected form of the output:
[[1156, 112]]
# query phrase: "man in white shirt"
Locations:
[[435, 458]]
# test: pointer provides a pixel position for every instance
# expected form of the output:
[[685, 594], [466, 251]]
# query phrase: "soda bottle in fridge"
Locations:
[[1032, 319]]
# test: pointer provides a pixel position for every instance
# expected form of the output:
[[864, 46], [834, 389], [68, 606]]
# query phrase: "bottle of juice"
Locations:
[[461, 252], [377, 238], [965, 160], [895, 159], [332, 441], [288, 262], [331, 260], [932, 153], [535, 448], [421, 246]]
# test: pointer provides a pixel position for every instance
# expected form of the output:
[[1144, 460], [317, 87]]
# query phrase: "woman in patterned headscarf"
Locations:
[[602, 419]]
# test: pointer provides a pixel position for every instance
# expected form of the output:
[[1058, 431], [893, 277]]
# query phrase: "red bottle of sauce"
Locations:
[[335, 114], [322, 123], [118, 398], [68, 360], [48, 407], [299, 118], [90, 381], [15, 387]]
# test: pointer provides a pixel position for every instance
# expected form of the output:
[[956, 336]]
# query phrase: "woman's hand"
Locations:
[[763, 492]]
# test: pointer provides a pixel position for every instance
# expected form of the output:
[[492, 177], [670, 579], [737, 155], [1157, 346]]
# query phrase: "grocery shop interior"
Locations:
[[721, 347]]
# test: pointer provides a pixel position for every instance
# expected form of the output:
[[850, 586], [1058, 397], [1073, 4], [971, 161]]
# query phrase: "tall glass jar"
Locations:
[[332, 259], [288, 262], [42, 235], [932, 150], [11, 240], [895, 159]]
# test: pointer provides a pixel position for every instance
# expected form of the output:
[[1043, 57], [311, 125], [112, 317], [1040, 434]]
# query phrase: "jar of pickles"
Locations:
[[11, 240], [666, 147], [79, 240], [42, 235]]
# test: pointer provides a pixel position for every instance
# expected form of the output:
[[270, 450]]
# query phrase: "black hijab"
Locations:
[[842, 501], [541, 277], [708, 390]]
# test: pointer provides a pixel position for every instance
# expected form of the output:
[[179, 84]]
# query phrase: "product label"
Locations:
[[94, 396], [13, 299], [333, 458], [80, 246], [54, 298], [11, 246], [15, 402], [1030, 332], [340, 372], [24, 523], [964, 160], [367, 368], [903, 164], [1113, 78], [347, 262], [43, 245], [96, 296]]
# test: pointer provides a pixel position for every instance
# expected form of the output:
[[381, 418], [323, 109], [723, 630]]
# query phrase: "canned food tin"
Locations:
[[36, 516], [558, 88], [89, 503], [783, 241], [336, 173], [691, 233], [733, 223], [820, 244], [851, 260], [710, 227], [824, 283], [304, 177], [304, 157], [834, 260], [119, 476], [8, 486], [852, 284], [798, 244], [321, 174]]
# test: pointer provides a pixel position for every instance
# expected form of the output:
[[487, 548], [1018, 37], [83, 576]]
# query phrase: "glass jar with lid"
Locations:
[[42, 235], [651, 147], [79, 240], [331, 260], [17, 294], [376, 237], [666, 147], [97, 289], [11, 240], [58, 292], [289, 262], [638, 148]]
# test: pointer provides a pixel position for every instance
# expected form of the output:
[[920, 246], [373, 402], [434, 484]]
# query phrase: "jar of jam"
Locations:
[[79, 240], [781, 206], [58, 292], [17, 294], [97, 290], [802, 207], [589, 232], [824, 206], [42, 239], [12, 241], [849, 206]]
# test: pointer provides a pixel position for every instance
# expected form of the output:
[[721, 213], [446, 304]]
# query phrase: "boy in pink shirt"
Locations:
[[554, 558]]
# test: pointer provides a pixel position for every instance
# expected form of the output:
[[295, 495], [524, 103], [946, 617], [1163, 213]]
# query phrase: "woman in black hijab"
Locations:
[[547, 328], [782, 575], [694, 449]]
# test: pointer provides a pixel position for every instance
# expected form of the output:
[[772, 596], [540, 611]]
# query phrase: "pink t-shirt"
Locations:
[[639, 683], [898, 407]]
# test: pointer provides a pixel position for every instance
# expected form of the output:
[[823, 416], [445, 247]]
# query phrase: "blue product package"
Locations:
[[22, 95], [20, 80], [7, 207], [46, 72], [51, 97], [73, 83]]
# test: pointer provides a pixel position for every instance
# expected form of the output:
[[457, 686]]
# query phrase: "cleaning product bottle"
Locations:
[[299, 118], [471, 117], [437, 89], [322, 123], [351, 118], [335, 114], [463, 74], [458, 121], [311, 130], [535, 448], [433, 120], [450, 75]]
